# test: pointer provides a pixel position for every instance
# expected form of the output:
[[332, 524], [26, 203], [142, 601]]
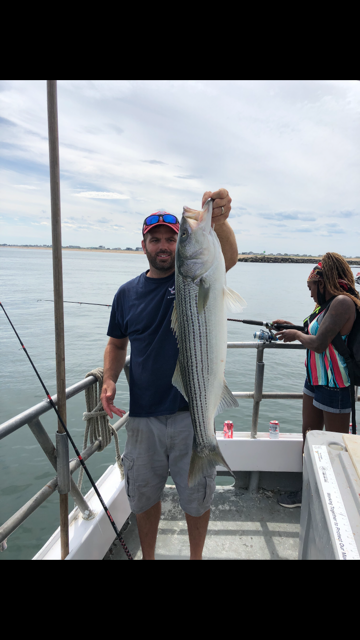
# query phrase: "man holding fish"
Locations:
[[177, 364]]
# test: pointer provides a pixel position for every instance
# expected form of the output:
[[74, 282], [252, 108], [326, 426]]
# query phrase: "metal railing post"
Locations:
[[259, 379], [27, 509], [47, 446], [62, 463], [54, 162]]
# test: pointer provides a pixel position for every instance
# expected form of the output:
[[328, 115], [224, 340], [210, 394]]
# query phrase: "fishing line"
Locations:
[[93, 304], [78, 454], [276, 326]]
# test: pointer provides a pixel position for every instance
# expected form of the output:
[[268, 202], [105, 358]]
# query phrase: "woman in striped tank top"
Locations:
[[326, 397]]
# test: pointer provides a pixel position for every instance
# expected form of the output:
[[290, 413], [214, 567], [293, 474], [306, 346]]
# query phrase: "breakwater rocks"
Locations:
[[293, 259]]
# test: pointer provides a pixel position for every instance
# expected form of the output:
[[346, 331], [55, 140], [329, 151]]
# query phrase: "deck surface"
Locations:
[[242, 526]]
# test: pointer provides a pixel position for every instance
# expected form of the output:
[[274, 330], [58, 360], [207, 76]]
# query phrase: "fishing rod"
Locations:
[[78, 454], [268, 336], [270, 325]]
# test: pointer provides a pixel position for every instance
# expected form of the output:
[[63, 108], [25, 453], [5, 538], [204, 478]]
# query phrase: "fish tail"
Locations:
[[204, 465]]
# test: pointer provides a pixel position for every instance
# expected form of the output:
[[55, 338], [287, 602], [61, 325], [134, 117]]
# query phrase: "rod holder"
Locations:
[[63, 469]]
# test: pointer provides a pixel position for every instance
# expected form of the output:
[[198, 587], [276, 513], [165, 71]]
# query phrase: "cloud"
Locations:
[[332, 228], [102, 195], [189, 177], [154, 162], [344, 214], [25, 186], [288, 215], [286, 151], [237, 212], [117, 129]]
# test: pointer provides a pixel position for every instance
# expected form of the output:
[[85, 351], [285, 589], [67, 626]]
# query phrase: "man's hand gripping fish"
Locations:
[[199, 322]]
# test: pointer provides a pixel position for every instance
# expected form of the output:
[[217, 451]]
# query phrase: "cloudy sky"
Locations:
[[287, 151]]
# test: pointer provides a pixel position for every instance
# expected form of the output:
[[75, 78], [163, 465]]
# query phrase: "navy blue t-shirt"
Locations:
[[142, 311]]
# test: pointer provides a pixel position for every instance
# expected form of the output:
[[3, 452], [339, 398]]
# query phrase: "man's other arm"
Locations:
[[114, 361]]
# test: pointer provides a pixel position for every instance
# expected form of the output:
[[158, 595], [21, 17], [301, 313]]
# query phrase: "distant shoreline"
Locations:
[[19, 246], [252, 257]]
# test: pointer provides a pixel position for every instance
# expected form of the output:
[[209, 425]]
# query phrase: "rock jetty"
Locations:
[[285, 258]]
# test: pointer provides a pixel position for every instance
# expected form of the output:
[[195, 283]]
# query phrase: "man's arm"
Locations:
[[221, 211], [228, 244], [114, 360]]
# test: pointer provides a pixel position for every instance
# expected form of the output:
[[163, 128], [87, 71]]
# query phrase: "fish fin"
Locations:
[[201, 466], [233, 300], [227, 400], [174, 320], [203, 296], [177, 381]]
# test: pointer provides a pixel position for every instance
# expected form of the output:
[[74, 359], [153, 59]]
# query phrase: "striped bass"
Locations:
[[199, 321]]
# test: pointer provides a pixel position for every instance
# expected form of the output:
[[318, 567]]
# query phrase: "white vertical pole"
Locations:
[[58, 286]]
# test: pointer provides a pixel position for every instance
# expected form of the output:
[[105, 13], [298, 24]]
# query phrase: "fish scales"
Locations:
[[194, 337], [199, 322]]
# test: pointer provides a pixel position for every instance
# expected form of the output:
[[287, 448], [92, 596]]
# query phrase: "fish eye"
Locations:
[[183, 234]]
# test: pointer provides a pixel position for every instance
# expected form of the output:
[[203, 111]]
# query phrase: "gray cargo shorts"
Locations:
[[157, 447]]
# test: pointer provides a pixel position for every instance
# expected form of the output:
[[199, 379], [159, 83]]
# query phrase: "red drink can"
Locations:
[[228, 429]]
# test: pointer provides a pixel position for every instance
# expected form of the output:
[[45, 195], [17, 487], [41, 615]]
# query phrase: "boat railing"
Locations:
[[257, 395], [31, 418]]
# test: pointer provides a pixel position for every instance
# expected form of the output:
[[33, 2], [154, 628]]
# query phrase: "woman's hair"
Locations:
[[338, 277]]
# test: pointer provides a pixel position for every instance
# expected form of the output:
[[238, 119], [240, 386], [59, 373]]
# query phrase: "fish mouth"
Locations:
[[192, 217], [195, 218]]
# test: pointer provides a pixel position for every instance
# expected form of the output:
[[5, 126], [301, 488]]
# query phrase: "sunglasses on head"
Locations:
[[155, 218]]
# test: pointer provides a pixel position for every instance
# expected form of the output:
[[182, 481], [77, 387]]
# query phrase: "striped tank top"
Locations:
[[328, 368]]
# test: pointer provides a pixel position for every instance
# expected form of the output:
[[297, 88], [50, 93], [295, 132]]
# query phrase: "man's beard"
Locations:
[[160, 266]]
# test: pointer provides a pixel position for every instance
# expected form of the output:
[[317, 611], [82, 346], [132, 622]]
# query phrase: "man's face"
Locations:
[[159, 245]]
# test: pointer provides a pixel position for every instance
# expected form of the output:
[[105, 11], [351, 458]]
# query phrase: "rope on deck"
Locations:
[[98, 426]]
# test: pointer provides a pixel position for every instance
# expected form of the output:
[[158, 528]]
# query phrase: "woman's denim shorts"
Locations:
[[330, 399]]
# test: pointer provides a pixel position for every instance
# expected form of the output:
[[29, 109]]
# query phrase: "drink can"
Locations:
[[274, 429], [350, 427], [228, 429]]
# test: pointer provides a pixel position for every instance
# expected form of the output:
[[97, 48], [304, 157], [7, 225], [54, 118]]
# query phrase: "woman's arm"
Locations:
[[340, 314]]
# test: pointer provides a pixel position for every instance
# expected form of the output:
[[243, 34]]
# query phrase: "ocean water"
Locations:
[[271, 291]]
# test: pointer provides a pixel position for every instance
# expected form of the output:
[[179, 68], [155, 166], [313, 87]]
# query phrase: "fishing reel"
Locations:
[[265, 336]]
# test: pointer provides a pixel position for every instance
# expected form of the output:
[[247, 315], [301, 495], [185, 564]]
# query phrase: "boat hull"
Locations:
[[90, 539]]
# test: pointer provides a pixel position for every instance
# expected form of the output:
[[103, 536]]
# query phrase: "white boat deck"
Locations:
[[243, 526], [246, 521]]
